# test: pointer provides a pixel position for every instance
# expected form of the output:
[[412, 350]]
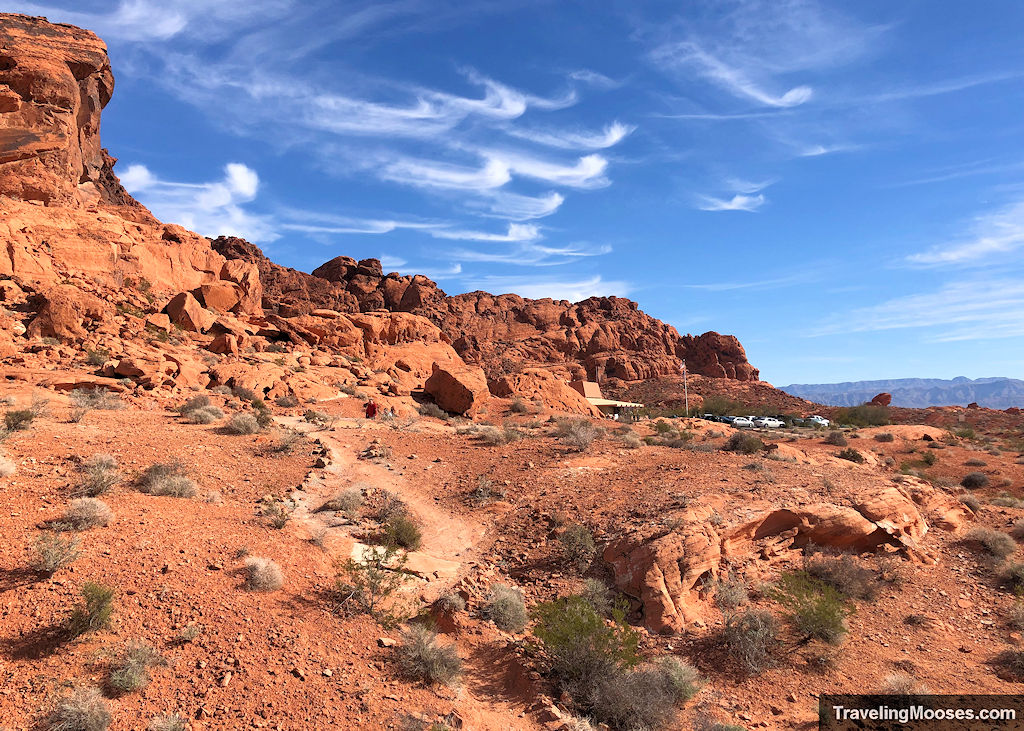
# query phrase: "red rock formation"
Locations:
[[459, 389], [54, 82], [596, 339], [882, 399]]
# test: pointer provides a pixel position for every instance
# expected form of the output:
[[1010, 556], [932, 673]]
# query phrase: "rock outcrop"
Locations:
[[54, 82], [597, 339], [458, 389]]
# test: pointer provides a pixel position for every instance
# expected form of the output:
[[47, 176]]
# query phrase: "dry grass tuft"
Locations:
[[83, 709], [262, 574], [87, 512]]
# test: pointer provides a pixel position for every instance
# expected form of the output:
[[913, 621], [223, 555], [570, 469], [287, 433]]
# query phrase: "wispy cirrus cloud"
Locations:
[[689, 55], [575, 139], [517, 207], [516, 232], [748, 203], [211, 208], [557, 288], [531, 254], [974, 309], [991, 234]]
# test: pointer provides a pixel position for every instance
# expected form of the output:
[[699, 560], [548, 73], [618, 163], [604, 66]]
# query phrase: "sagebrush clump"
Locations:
[[401, 530], [744, 443], [262, 574], [99, 475], [995, 543], [974, 480], [83, 709], [423, 658], [505, 607], [752, 639], [52, 552], [167, 479], [244, 423], [578, 549], [129, 670], [577, 434], [836, 439], [87, 512]]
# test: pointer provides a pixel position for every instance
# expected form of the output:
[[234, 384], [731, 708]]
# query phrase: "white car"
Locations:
[[741, 422], [818, 420], [768, 422]]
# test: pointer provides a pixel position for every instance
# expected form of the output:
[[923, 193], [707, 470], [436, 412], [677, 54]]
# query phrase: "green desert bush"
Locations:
[[995, 543], [815, 609], [262, 574], [82, 709], [577, 544], [974, 480], [368, 585], [423, 658], [19, 419], [752, 639], [862, 416], [130, 668], [744, 443], [94, 612], [599, 596], [505, 607], [52, 552]]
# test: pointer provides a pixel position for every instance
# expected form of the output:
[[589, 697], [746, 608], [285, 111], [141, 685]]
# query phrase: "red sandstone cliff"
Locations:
[[598, 338]]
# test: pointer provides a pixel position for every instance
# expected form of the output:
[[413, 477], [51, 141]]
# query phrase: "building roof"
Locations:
[[588, 389], [611, 402]]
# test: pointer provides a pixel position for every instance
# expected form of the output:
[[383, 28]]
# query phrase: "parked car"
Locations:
[[742, 422], [727, 419], [818, 420], [768, 422], [797, 421], [709, 417]]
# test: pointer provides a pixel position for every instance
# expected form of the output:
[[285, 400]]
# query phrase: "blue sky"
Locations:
[[839, 185]]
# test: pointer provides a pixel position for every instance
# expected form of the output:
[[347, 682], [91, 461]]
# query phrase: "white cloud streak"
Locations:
[[575, 139], [211, 209], [516, 232], [748, 203], [991, 234], [573, 290]]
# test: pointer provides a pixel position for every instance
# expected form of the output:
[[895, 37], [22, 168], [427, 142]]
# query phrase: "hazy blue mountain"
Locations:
[[994, 393]]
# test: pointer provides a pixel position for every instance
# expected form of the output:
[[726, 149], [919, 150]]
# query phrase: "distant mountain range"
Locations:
[[993, 393]]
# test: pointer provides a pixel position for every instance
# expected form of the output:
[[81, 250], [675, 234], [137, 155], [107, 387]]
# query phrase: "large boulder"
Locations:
[[220, 297], [459, 389], [62, 312], [186, 312], [543, 387], [247, 276]]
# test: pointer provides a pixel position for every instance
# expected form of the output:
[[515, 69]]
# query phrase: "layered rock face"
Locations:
[[597, 339], [54, 82]]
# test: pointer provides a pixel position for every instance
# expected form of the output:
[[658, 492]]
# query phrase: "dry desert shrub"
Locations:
[[286, 402], [95, 398], [244, 423], [401, 530], [422, 658], [577, 434], [7, 466], [1008, 501], [816, 610], [451, 603], [129, 670], [836, 439], [205, 415], [752, 639], [975, 462], [367, 584], [172, 722], [52, 552], [1015, 615], [83, 709], [731, 592], [433, 410], [974, 480], [486, 491], [99, 475], [518, 406], [973, 504], [167, 479], [347, 502], [262, 574], [844, 574], [995, 543], [884, 437], [87, 512], [744, 443], [505, 608], [630, 440], [901, 683], [578, 547]]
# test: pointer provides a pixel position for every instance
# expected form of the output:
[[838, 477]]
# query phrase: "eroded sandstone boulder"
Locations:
[[186, 312], [459, 389], [64, 312]]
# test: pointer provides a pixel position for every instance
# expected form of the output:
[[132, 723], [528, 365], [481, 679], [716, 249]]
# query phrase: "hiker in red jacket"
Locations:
[[371, 409]]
